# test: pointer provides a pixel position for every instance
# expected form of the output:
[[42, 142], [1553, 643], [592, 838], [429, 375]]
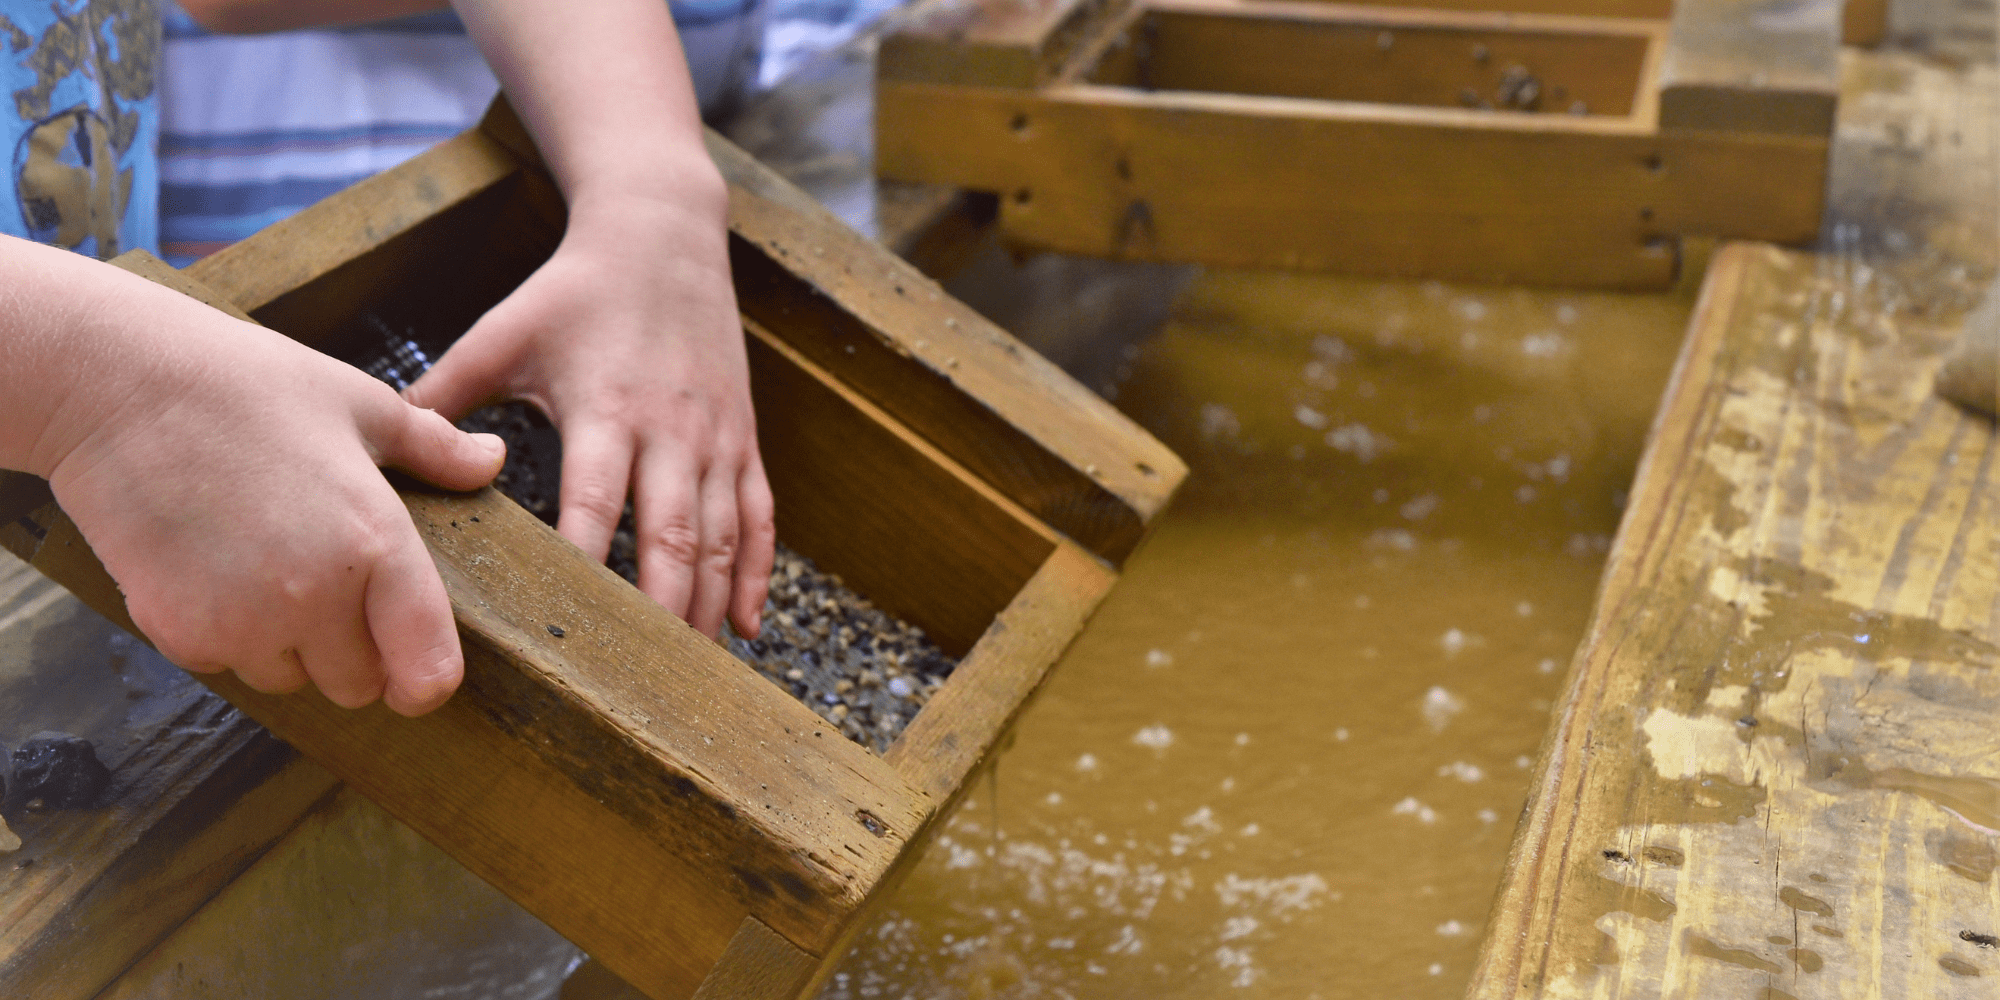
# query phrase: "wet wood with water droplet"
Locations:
[[1774, 771]]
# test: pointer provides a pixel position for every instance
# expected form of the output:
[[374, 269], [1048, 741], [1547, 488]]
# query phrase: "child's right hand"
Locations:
[[227, 477]]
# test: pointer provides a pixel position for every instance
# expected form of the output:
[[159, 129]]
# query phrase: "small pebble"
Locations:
[[557, 631], [58, 771]]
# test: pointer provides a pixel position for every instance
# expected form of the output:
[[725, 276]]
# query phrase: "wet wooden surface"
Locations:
[[1773, 773]]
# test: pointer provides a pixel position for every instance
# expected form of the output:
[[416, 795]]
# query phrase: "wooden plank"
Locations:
[[1771, 772], [1766, 66], [1368, 188]]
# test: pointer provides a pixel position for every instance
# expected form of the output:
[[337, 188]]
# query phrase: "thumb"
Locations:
[[427, 446]]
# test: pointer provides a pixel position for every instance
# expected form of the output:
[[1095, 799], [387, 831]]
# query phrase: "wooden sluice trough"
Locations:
[[688, 823], [1548, 149]]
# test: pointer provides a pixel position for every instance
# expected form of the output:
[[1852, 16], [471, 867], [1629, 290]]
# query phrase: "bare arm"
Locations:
[[629, 336], [228, 479]]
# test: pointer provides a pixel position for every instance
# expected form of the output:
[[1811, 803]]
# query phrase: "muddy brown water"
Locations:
[[1287, 757]]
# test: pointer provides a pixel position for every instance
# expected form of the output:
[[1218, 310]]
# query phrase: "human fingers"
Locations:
[[340, 658], [426, 445], [670, 530], [279, 674], [208, 643], [756, 549], [596, 469], [468, 376], [715, 564], [409, 617]]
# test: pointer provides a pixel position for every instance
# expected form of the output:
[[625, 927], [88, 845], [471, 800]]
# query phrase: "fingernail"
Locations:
[[493, 444]]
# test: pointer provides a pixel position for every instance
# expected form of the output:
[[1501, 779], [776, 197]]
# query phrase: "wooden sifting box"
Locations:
[[686, 822], [1392, 141]]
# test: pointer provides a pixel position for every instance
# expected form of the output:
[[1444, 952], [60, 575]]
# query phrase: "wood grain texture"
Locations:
[[191, 808], [1372, 189], [1773, 773]]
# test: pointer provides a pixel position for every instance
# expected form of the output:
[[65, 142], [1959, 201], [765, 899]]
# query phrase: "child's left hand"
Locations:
[[629, 339]]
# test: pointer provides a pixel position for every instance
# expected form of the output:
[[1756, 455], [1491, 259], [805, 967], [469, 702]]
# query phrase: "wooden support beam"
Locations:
[[1280, 133]]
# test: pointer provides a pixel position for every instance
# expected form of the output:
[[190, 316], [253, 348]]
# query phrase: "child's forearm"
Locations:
[[606, 92], [65, 358], [250, 17]]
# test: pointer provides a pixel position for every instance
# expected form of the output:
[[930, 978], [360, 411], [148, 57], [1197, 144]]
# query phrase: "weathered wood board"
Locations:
[[1773, 773], [1274, 133], [622, 778]]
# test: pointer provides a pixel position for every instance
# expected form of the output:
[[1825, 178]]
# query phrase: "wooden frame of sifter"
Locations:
[[689, 824]]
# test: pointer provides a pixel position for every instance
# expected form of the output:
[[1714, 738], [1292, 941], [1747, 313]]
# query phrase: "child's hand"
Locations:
[[228, 479], [629, 339]]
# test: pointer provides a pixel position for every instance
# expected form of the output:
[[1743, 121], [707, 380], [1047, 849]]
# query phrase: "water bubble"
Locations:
[[1524, 609], [1546, 666], [1452, 928], [1159, 658], [1156, 738], [1421, 507], [1340, 735], [1310, 417], [1219, 421], [1359, 441], [1242, 739], [1542, 345], [1087, 763], [1411, 807], [1463, 771], [1439, 706]]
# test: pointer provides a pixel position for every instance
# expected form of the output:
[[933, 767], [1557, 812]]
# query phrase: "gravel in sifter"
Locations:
[[861, 669], [857, 666]]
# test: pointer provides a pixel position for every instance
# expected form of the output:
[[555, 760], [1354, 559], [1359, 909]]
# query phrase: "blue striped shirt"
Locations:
[[256, 127]]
